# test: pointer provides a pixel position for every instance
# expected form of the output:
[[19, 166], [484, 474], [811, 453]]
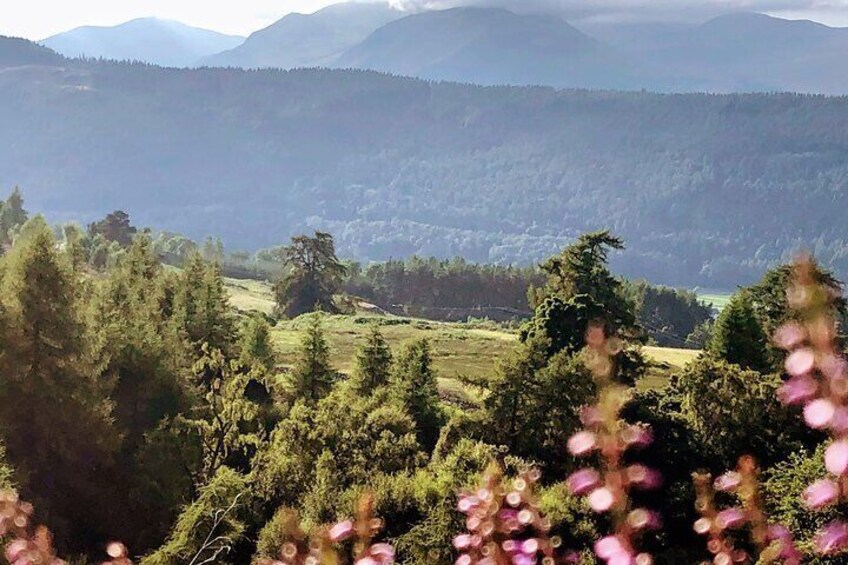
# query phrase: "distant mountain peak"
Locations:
[[149, 39], [308, 40]]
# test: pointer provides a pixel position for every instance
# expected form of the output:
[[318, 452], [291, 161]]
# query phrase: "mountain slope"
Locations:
[[489, 46], [706, 189], [304, 40], [735, 52], [16, 52], [151, 40]]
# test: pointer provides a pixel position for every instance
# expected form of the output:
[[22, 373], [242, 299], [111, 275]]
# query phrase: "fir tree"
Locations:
[[254, 345], [12, 216], [373, 363], [311, 376], [738, 337], [417, 388], [56, 417]]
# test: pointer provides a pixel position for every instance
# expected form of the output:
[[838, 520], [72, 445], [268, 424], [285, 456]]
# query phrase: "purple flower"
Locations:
[[789, 336], [341, 531], [584, 481], [800, 362], [798, 390], [821, 493], [836, 457], [728, 482], [731, 519], [582, 443], [833, 538], [819, 413], [601, 500]]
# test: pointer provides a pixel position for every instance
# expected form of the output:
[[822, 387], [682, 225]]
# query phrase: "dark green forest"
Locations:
[[707, 190], [140, 406]]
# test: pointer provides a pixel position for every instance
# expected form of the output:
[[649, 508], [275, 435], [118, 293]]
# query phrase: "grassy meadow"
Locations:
[[459, 350]]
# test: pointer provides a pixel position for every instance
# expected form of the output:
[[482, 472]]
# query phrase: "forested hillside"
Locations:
[[707, 190]]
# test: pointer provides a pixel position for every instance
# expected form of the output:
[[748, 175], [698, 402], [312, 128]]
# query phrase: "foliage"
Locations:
[[738, 337], [57, 421], [415, 386], [208, 528], [373, 363], [314, 276], [311, 378], [115, 227]]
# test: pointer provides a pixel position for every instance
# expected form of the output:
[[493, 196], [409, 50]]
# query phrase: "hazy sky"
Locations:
[[37, 19]]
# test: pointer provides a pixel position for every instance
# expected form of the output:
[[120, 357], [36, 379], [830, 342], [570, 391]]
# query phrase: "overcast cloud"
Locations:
[[37, 19]]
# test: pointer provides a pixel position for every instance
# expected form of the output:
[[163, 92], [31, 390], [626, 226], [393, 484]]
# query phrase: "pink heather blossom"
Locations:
[[819, 413], [601, 500], [731, 519], [590, 416], [637, 437], [800, 362], [641, 477], [462, 542], [788, 551], [788, 336], [15, 548], [839, 422], [584, 481], [798, 390], [833, 538], [641, 519], [530, 546], [582, 443], [608, 546], [341, 531], [621, 558], [836, 457], [821, 493], [834, 367], [728, 482], [466, 503], [383, 550]]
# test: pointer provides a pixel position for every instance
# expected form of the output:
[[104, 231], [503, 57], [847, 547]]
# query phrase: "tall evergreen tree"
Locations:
[[314, 275], [373, 363], [12, 216], [255, 348], [311, 376], [416, 386], [201, 306], [55, 418], [738, 337]]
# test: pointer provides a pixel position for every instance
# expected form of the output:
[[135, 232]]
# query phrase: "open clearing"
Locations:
[[459, 350]]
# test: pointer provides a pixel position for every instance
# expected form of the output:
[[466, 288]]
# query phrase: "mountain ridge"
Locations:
[[156, 41], [706, 189]]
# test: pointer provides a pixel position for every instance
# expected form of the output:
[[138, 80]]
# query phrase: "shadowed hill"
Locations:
[[706, 189]]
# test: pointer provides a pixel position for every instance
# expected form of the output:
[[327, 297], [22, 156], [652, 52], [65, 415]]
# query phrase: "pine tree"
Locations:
[[312, 377], [580, 291], [12, 216], [137, 353], [254, 345], [373, 363], [201, 306], [417, 388], [738, 337], [55, 417]]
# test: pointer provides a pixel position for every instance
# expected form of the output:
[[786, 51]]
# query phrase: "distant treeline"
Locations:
[[457, 289]]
